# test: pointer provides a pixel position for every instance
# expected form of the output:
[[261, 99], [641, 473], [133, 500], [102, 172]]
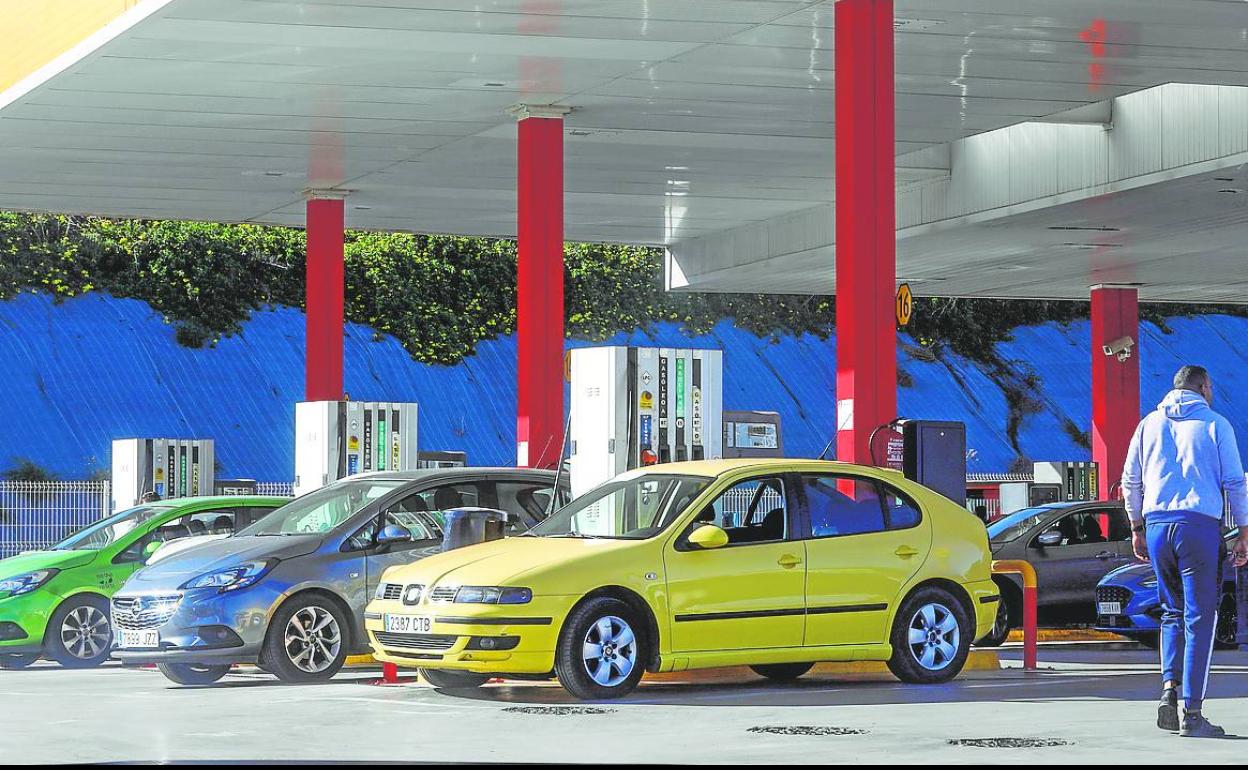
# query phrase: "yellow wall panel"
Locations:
[[37, 31]]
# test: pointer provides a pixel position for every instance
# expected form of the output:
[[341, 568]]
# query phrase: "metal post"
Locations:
[[866, 339]]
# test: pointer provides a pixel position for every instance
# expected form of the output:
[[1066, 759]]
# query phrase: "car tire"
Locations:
[[192, 673], [931, 637], [1000, 627], [601, 653], [307, 640], [1226, 630], [80, 632], [17, 662], [782, 672], [453, 680]]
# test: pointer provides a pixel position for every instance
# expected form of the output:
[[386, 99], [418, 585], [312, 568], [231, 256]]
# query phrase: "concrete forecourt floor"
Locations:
[[1090, 704]]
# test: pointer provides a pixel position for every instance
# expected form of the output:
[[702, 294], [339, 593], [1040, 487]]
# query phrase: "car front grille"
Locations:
[[431, 642], [1113, 594], [142, 613], [392, 591], [443, 594]]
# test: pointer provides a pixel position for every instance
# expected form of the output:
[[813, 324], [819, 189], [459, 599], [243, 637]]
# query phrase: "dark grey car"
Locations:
[[1071, 545], [289, 591]]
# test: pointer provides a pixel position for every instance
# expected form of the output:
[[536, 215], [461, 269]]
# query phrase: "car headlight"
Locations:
[[493, 595], [233, 578], [26, 582]]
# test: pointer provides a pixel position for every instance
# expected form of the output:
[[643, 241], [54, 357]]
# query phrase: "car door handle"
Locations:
[[906, 551], [788, 561], [1106, 555]]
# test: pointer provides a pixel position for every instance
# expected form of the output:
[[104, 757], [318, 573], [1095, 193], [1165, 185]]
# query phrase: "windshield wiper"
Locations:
[[579, 535]]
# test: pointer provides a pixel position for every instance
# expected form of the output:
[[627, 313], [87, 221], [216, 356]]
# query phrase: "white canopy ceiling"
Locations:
[[691, 117]]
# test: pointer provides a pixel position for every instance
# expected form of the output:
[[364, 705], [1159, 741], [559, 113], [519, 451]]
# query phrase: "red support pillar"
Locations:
[[325, 289], [539, 287], [1115, 380], [866, 339]]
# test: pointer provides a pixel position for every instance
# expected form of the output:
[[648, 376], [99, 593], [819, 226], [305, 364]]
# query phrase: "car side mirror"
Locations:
[[707, 537], [1049, 539], [393, 533], [150, 550]]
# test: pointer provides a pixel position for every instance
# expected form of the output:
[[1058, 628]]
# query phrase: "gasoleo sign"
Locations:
[[904, 304]]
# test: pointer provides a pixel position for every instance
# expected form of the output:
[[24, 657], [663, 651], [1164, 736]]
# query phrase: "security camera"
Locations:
[[1120, 348]]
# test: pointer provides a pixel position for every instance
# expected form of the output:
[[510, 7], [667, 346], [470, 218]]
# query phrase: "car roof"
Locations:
[[721, 466], [178, 502], [424, 474]]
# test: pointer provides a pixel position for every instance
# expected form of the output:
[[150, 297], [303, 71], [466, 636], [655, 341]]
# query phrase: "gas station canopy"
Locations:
[[1043, 146]]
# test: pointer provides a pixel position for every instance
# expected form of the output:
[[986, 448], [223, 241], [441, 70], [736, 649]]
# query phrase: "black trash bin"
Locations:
[[469, 526]]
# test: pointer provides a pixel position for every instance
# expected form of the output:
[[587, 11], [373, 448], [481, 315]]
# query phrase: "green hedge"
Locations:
[[439, 295]]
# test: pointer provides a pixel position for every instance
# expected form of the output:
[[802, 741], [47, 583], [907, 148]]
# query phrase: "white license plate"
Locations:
[[1109, 608], [138, 639], [408, 624]]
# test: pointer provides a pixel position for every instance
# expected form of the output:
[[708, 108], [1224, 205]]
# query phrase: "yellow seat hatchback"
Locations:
[[773, 564]]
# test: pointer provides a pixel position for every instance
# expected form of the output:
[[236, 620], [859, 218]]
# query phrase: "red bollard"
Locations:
[[389, 673], [1030, 634]]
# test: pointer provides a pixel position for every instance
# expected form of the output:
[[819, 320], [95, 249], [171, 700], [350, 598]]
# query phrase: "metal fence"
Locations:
[[993, 506], [36, 514], [276, 488], [736, 504]]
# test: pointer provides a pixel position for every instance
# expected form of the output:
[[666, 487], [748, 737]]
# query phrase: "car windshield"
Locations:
[[629, 509], [108, 531], [1017, 524], [321, 511]]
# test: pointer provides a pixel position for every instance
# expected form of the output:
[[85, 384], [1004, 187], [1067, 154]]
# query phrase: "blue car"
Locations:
[[1127, 604]]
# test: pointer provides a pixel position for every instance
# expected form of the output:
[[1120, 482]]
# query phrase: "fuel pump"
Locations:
[[336, 439], [636, 407], [166, 467]]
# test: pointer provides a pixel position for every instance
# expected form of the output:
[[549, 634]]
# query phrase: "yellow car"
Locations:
[[774, 564]]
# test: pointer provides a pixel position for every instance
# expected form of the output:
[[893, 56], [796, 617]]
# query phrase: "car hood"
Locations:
[[1127, 574], [34, 560], [221, 554], [175, 547], [503, 562]]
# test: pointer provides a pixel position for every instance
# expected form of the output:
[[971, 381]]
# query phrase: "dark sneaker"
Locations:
[[1196, 726], [1168, 711]]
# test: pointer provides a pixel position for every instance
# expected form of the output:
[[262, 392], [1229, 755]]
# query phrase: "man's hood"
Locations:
[[221, 554], [36, 560], [1183, 405]]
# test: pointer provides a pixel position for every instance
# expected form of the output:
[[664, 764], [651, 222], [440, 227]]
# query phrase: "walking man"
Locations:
[[1181, 463]]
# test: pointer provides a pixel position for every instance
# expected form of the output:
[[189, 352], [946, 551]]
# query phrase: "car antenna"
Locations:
[[563, 445]]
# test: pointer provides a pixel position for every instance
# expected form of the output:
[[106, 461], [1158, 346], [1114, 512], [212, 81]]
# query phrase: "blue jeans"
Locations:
[[1185, 549]]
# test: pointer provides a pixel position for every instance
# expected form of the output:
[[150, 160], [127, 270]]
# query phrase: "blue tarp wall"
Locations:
[[75, 375]]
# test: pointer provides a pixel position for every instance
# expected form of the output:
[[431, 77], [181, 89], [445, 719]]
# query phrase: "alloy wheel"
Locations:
[[313, 639], [85, 632], [934, 636], [610, 651]]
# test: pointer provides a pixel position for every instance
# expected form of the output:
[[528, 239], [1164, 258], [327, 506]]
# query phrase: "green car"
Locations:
[[55, 603]]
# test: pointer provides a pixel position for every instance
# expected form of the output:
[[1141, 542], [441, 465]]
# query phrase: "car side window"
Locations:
[[753, 511], [527, 501], [411, 513], [219, 521], [1119, 526], [900, 510], [448, 496], [167, 532], [1084, 528], [843, 505]]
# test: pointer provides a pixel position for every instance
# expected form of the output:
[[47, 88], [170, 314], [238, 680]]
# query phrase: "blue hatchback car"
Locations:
[[1127, 603]]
